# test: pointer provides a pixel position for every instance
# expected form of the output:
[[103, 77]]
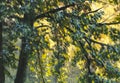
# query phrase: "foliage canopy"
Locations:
[[58, 41]]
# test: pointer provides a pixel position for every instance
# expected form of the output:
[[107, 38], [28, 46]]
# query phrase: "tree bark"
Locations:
[[2, 74], [23, 59]]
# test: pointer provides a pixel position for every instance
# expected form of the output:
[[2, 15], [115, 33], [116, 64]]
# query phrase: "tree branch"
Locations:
[[54, 11], [97, 24], [111, 23], [93, 56], [86, 56], [102, 44], [94, 10], [69, 15]]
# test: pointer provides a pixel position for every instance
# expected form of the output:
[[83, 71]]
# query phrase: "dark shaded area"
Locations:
[[2, 75]]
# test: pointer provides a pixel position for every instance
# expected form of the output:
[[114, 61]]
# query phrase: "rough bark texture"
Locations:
[[21, 72], [2, 74]]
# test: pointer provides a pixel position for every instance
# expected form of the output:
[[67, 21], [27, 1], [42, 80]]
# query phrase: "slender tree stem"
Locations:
[[40, 66], [23, 59], [88, 61], [2, 74]]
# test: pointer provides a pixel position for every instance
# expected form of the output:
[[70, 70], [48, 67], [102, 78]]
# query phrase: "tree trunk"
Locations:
[[23, 59], [2, 74]]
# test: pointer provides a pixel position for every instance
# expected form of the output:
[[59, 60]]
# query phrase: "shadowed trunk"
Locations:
[[2, 75], [21, 72]]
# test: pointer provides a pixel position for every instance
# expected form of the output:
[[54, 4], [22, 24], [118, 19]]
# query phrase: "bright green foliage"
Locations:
[[63, 41]]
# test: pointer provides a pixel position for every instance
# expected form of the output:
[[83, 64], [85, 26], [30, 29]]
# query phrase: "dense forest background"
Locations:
[[59, 41]]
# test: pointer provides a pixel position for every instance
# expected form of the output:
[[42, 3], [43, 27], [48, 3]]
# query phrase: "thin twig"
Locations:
[[94, 10], [111, 23]]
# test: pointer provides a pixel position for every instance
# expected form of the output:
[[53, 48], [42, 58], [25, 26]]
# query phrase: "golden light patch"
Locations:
[[52, 43], [44, 56], [68, 38], [81, 64], [105, 39], [100, 71], [97, 46], [41, 22], [118, 64]]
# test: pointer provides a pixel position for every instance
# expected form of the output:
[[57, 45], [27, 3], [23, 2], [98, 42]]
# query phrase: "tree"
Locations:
[[74, 19], [2, 75]]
